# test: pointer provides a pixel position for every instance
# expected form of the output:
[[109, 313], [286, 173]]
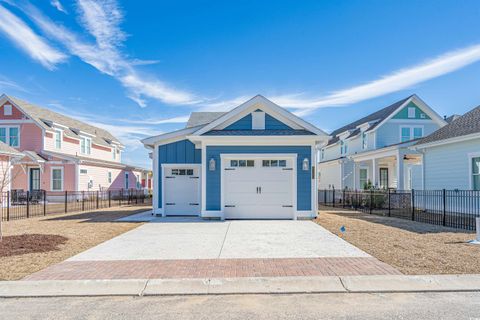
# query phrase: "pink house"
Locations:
[[61, 153]]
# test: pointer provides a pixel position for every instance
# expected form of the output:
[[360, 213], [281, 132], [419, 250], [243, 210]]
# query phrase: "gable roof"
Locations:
[[5, 149], [467, 124], [377, 118], [202, 118], [46, 119], [270, 107]]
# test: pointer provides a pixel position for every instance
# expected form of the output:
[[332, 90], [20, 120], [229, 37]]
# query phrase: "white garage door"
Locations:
[[182, 191], [258, 188]]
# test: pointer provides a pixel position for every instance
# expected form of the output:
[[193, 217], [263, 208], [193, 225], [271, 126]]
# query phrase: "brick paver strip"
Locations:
[[213, 268]]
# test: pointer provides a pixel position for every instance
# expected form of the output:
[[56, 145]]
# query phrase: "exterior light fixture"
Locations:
[[211, 164], [305, 164]]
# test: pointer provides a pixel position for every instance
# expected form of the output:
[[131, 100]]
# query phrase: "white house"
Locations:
[[452, 154], [256, 161], [376, 148]]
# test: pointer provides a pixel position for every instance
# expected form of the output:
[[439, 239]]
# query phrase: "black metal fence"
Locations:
[[19, 204], [450, 208]]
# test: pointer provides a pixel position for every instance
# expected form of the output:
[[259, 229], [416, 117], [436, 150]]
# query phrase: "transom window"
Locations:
[[242, 163], [83, 171], [181, 172], [476, 173], [10, 136], [274, 163]]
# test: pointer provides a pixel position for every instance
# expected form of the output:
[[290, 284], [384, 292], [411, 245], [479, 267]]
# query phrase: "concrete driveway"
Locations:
[[192, 248], [222, 240]]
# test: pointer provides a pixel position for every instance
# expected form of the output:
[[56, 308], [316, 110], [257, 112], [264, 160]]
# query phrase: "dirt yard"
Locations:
[[411, 247], [30, 245]]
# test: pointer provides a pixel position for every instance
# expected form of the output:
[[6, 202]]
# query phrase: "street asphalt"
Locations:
[[446, 305]]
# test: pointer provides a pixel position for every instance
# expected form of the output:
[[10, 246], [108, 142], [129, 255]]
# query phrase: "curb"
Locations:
[[275, 285]]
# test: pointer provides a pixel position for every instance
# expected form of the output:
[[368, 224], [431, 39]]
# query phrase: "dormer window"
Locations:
[[85, 145], [7, 110], [343, 147], [364, 140], [58, 139]]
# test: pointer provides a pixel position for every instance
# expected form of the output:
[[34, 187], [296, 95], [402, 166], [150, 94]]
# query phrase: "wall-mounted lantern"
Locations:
[[211, 164], [305, 164]]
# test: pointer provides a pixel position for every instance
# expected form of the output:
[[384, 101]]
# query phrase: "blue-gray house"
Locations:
[[257, 161]]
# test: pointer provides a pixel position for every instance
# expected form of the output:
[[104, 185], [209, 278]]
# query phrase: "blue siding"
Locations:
[[304, 195], [389, 133], [176, 152], [273, 124], [243, 124]]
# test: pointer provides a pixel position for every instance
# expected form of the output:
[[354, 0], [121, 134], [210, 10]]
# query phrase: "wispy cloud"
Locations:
[[101, 19], [396, 81], [150, 121], [58, 5], [27, 40], [7, 84]]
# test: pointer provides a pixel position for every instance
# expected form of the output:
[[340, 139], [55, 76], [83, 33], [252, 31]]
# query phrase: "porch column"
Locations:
[[400, 171], [374, 171]]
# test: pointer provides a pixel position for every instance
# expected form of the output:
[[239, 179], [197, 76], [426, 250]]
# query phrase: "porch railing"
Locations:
[[19, 204], [450, 208]]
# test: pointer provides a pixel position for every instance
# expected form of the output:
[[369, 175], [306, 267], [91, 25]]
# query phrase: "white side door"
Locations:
[[181, 190]]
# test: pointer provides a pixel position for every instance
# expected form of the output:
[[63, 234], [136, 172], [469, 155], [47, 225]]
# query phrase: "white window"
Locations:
[[410, 133], [343, 147], [476, 173], [114, 153], [7, 110], [57, 179], [58, 139], [364, 140], [10, 136], [363, 178], [127, 184], [411, 112], [109, 177], [85, 145]]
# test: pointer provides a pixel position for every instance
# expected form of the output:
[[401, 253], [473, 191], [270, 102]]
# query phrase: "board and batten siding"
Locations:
[[448, 166], [213, 178], [245, 123], [176, 152]]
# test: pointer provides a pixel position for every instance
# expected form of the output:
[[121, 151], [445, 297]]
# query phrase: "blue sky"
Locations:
[[138, 69]]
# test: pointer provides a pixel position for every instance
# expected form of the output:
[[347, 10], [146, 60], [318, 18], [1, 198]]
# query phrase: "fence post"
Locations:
[[97, 199], [333, 198], [66, 203], [413, 205], [356, 199], [389, 203], [136, 197], [343, 198], [371, 200], [444, 207], [325, 197], [28, 204], [83, 200], [109, 198], [8, 206], [120, 198], [44, 202]]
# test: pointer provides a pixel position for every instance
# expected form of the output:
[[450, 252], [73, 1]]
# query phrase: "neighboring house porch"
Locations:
[[394, 167]]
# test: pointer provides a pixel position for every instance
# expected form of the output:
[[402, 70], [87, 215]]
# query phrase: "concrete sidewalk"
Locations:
[[279, 285]]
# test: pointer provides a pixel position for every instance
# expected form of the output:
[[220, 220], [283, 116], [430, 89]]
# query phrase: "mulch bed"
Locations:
[[30, 243]]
